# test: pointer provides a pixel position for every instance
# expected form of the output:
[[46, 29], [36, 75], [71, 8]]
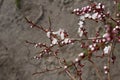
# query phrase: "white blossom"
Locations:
[[117, 27], [74, 10], [76, 60], [81, 54], [36, 45], [87, 15], [87, 6], [94, 44], [97, 40], [92, 49], [89, 9], [77, 9], [106, 72], [94, 16], [106, 49], [90, 17], [99, 16], [98, 6], [103, 40], [90, 46], [80, 32], [105, 67], [82, 17], [35, 57], [65, 67], [80, 24], [54, 41], [103, 6], [31, 26], [66, 40], [48, 34], [60, 33]]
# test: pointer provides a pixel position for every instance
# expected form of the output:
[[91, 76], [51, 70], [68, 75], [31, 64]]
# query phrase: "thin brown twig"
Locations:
[[109, 58], [67, 71], [97, 70], [50, 24], [34, 25], [47, 70]]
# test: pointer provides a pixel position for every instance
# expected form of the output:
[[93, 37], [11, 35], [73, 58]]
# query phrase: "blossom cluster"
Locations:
[[57, 36], [96, 11]]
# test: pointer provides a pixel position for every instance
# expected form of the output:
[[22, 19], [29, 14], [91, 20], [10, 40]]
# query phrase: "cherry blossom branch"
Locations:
[[109, 58], [34, 25], [90, 45]]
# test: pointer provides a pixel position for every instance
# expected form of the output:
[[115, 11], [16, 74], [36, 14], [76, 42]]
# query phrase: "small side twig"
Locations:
[[97, 70]]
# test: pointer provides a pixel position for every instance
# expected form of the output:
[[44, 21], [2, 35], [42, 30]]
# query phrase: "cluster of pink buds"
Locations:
[[94, 11], [112, 33]]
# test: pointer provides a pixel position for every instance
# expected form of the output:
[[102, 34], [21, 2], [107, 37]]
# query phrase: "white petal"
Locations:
[[66, 40], [90, 17], [98, 6], [103, 6], [107, 49], [87, 15], [80, 23], [48, 34], [99, 16], [94, 16], [62, 35], [105, 67], [54, 41], [80, 32], [58, 32], [76, 60], [82, 18], [65, 67], [90, 46], [106, 72]]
